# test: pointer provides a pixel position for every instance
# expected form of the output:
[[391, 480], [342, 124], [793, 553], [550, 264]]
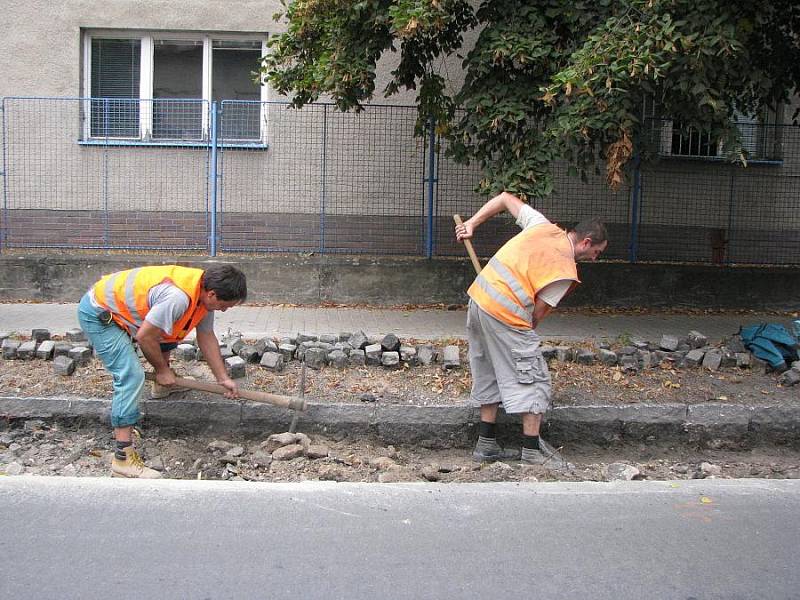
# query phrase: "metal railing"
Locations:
[[237, 176]]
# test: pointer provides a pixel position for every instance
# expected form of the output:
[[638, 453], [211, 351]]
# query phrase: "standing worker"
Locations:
[[155, 307], [518, 288]]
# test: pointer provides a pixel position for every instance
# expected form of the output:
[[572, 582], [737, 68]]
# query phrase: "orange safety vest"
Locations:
[[125, 295], [506, 287]]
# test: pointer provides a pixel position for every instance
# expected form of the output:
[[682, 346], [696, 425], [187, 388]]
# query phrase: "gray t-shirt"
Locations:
[[553, 293], [167, 303]]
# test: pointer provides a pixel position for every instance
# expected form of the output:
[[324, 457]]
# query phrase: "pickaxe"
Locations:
[[292, 402]]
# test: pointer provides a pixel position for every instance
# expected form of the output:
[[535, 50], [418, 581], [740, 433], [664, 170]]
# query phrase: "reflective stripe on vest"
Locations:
[[525, 315], [125, 295], [524, 299], [506, 287], [109, 299]]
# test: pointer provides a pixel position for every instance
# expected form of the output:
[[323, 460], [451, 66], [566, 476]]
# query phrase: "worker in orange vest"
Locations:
[[511, 295], [154, 307]]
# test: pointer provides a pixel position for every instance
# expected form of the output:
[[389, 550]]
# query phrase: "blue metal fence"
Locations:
[[240, 176]]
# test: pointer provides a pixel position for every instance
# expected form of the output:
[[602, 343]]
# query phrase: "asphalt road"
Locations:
[[105, 538]]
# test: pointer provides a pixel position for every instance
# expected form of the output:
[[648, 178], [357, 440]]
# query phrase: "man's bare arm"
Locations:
[[540, 311], [149, 338], [501, 202], [209, 345]]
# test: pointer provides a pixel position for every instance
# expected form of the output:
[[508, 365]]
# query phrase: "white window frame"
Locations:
[[147, 40]]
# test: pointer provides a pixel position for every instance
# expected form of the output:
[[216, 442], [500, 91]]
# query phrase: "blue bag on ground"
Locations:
[[772, 343]]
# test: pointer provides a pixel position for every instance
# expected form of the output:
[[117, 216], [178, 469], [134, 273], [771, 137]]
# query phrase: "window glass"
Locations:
[[691, 141], [177, 89], [115, 72], [234, 64]]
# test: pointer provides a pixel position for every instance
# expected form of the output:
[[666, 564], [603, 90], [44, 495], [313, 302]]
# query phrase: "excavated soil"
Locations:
[[37, 447]]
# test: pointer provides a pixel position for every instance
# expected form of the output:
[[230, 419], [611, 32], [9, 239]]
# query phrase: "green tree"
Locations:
[[547, 79]]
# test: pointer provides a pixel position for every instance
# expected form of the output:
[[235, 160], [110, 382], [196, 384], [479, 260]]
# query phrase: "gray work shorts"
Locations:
[[507, 365]]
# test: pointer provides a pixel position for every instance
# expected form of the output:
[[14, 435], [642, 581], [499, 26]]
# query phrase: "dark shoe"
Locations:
[[546, 456], [487, 449]]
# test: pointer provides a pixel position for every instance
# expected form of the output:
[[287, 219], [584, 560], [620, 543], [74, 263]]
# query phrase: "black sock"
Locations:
[[119, 449], [531, 442], [486, 430]]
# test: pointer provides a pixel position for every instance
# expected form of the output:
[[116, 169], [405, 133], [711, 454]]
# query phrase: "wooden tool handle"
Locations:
[[292, 402], [470, 250]]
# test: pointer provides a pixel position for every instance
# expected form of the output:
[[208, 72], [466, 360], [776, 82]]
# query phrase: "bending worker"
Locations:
[[518, 288], [156, 307]]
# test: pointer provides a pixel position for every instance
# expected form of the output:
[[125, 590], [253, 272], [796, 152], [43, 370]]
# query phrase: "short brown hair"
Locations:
[[594, 229], [227, 281]]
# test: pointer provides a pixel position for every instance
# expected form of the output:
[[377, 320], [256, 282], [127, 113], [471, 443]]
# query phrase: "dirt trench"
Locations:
[[83, 449]]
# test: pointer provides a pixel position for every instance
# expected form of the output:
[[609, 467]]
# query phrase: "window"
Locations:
[[114, 81], [177, 84], [232, 80], [158, 88], [691, 141], [760, 136]]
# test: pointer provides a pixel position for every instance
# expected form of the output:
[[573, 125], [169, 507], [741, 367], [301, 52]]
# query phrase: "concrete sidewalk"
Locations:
[[430, 324]]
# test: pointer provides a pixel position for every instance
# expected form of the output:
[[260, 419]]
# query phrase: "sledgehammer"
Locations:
[[203, 386], [470, 250]]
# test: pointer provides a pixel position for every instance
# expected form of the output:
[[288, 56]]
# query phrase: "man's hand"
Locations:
[[464, 231], [233, 389], [165, 377]]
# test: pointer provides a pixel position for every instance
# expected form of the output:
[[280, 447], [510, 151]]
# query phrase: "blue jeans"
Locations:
[[116, 350]]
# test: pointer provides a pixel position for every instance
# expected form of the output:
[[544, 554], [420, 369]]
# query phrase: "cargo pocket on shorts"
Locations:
[[529, 366]]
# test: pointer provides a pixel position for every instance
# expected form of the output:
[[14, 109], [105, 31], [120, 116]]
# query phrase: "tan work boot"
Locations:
[[162, 391], [132, 466]]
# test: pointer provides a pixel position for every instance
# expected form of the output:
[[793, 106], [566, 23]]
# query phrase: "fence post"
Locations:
[[726, 239], [4, 225], [212, 184], [636, 198], [431, 180], [106, 217], [324, 191]]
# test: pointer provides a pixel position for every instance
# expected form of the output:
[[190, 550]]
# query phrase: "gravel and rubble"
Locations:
[[74, 449]]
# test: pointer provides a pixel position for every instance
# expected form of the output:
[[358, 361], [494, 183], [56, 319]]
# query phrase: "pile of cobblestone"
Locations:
[[340, 351], [690, 351], [67, 354], [346, 350]]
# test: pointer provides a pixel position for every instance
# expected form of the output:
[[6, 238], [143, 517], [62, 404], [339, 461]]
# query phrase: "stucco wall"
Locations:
[[368, 155], [44, 38]]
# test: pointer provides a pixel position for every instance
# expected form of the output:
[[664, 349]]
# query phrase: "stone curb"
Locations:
[[713, 424]]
